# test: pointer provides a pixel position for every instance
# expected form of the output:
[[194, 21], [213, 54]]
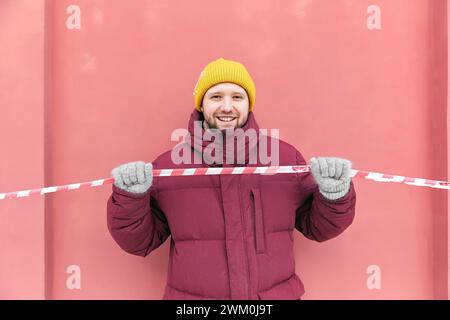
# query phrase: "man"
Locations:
[[232, 235]]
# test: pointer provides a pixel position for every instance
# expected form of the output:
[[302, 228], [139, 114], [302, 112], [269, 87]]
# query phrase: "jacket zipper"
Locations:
[[245, 240]]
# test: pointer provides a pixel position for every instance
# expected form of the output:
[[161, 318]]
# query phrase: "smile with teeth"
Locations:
[[226, 118]]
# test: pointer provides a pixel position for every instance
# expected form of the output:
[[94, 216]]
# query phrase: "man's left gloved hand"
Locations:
[[332, 175]]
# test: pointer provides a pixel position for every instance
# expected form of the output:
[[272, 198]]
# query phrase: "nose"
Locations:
[[227, 105]]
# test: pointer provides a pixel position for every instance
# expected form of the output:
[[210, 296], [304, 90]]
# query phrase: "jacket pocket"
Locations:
[[259, 221], [290, 289]]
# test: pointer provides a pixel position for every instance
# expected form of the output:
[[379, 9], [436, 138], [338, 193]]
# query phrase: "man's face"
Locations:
[[225, 105]]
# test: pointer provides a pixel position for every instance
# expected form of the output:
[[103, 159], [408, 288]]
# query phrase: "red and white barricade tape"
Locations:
[[375, 176]]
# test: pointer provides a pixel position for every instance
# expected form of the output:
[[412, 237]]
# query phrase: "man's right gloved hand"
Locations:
[[135, 177]]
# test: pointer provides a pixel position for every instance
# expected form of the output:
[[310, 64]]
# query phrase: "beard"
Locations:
[[215, 123]]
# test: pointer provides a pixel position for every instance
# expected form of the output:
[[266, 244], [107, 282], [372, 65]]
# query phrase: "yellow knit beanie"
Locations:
[[219, 71]]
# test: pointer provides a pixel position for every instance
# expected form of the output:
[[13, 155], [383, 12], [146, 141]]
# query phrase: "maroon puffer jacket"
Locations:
[[231, 234]]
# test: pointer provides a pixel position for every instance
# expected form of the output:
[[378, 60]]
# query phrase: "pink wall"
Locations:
[[22, 254], [113, 91]]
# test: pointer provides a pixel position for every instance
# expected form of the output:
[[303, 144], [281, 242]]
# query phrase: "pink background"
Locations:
[[77, 102]]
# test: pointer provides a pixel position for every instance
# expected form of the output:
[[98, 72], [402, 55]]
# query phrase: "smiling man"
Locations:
[[225, 105], [231, 235]]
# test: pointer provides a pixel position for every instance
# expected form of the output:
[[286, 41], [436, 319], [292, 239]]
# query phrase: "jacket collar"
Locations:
[[199, 141]]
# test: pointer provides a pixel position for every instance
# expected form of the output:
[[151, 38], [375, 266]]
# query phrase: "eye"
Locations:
[[238, 97], [216, 96]]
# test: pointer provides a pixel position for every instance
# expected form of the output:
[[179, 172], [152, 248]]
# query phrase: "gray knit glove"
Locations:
[[135, 177], [332, 175]]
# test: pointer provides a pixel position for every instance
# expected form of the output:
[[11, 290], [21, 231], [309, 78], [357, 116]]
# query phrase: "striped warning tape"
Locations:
[[375, 176]]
